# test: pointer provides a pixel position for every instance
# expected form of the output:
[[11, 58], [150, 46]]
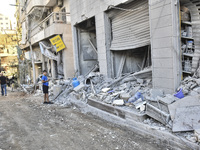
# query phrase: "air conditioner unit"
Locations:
[[60, 3]]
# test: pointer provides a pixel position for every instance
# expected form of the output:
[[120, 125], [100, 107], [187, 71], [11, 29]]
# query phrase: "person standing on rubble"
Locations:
[[45, 86], [3, 84]]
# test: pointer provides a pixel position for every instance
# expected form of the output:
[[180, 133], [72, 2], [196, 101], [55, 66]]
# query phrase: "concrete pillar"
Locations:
[[68, 55], [53, 69], [165, 44], [101, 43]]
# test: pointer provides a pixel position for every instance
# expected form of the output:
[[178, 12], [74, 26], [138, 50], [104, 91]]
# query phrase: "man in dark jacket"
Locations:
[[3, 84]]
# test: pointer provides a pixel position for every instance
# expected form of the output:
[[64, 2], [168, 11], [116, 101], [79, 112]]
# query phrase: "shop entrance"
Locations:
[[87, 47]]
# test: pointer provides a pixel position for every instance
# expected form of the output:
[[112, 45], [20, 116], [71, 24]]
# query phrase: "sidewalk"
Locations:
[[134, 122]]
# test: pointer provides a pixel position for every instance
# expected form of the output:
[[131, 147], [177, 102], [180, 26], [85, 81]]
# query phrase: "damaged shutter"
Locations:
[[130, 29]]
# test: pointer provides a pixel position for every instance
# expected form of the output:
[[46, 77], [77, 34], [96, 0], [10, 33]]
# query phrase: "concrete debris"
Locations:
[[189, 123], [188, 84], [56, 90], [129, 93], [154, 93], [105, 90], [79, 87], [157, 114], [186, 101], [192, 139], [119, 102], [197, 134], [125, 96]]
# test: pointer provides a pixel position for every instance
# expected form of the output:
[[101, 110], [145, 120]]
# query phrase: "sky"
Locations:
[[6, 9]]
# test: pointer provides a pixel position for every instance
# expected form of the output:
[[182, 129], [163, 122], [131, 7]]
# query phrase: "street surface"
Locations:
[[27, 124]]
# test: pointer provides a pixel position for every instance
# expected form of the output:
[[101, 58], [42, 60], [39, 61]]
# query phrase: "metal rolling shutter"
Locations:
[[130, 29]]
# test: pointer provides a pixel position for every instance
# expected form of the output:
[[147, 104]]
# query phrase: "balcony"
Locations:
[[53, 24], [32, 6], [39, 3]]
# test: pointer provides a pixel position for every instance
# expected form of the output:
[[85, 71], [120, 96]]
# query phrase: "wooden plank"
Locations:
[[94, 48], [121, 66]]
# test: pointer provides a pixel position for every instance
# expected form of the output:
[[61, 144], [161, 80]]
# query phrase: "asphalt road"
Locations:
[[27, 124]]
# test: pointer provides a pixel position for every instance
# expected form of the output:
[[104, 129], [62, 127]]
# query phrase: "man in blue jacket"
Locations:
[[45, 82]]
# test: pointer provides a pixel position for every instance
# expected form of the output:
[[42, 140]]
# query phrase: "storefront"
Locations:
[[130, 37]]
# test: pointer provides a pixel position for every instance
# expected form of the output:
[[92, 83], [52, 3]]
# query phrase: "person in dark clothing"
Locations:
[[3, 84]]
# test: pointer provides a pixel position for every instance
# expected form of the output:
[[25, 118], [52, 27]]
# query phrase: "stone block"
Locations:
[[162, 32], [119, 102], [163, 73], [163, 63], [125, 96], [160, 11], [163, 83], [162, 53], [165, 42], [158, 3], [164, 21]]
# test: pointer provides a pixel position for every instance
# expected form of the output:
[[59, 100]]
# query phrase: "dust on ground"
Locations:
[[27, 124]]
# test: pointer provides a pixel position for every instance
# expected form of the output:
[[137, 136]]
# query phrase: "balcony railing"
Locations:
[[53, 18]]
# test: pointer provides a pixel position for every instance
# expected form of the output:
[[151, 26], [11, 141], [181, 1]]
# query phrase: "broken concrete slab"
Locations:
[[119, 102], [189, 123], [144, 74], [141, 81], [56, 90], [186, 101], [168, 99], [125, 96], [154, 93]]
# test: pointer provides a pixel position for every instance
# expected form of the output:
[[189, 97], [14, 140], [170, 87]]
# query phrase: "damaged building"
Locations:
[[47, 37], [128, 36]]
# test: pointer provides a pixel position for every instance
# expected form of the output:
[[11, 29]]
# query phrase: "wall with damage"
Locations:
[[81, 11]]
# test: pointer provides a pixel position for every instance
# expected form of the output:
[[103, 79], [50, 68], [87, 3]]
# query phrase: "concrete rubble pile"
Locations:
[[164, 111], [124, 91]]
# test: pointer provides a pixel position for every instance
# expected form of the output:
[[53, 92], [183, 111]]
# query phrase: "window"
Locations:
[[6, 27], [6, 23], [1, 23], [6, 18], [1, 18]]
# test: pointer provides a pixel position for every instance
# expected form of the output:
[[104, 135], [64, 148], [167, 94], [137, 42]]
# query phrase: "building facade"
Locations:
[[8, 53], [42, 21], [126, 36]]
